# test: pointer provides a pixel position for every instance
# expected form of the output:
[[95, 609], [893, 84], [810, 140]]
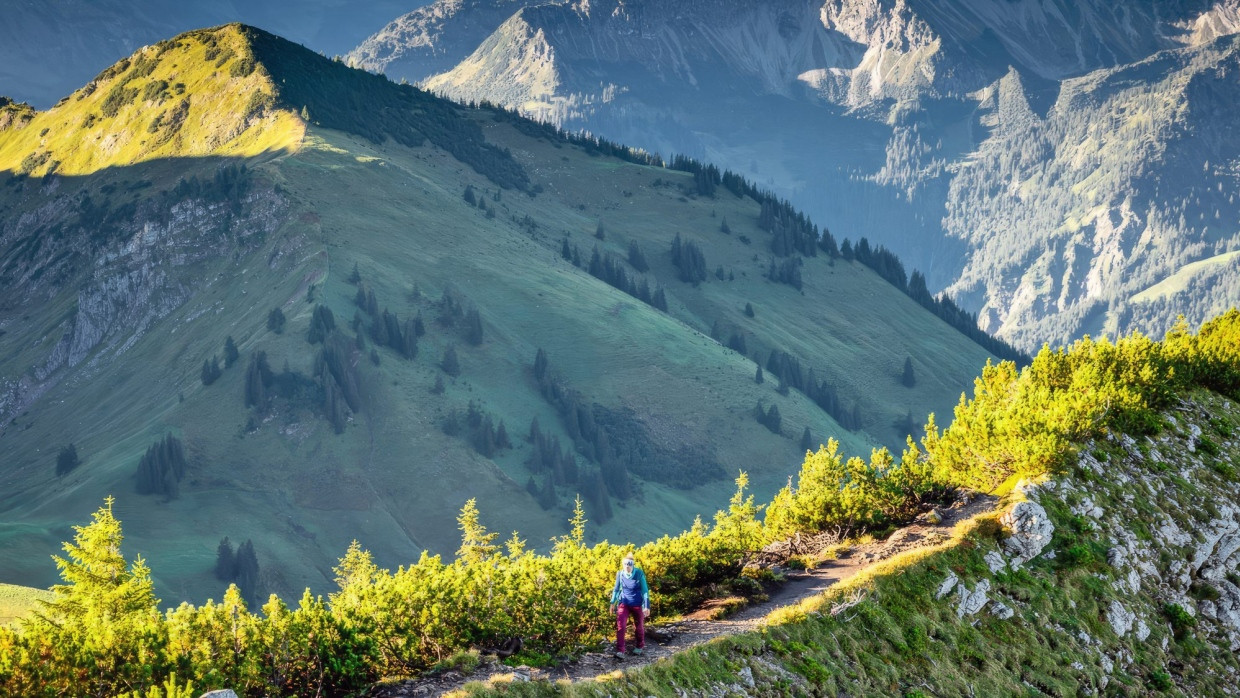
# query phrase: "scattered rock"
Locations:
[[1194, 435], [1117, 557], [895, 539], [746, 675], [1001, 610], [1120, 618], [948, 584], [995, 561], [1088, 508], [1031, 532], [973, 601], [222, 693]]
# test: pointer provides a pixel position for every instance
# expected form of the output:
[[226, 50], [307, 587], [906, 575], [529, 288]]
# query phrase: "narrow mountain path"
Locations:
[[698, 627]]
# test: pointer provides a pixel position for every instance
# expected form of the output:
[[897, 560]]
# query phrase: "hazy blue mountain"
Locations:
[[879, 119]]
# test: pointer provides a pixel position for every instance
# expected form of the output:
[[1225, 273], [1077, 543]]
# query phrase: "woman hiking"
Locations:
[[630, 595]]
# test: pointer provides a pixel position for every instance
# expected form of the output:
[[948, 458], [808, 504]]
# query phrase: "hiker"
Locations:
[[630, 595]]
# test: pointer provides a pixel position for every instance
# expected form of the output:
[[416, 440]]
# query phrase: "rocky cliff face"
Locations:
[[1162, 513], [1113, 211], [128, 271], [903, 121]]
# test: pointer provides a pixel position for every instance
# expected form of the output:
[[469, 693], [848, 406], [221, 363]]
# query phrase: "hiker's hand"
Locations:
[[645, 613], [613, 609]]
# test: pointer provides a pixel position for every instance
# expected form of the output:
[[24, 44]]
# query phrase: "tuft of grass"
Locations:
[[532, 658], [466, 662]]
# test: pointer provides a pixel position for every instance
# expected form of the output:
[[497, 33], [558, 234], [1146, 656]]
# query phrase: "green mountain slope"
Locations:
[[130, 251]]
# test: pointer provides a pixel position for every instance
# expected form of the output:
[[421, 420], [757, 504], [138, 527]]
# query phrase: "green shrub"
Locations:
[[1207, 446], [242, 67], [1203, 591], [1181, 620], [155, 90], [33, 161], [117, 97], [1160, 681]]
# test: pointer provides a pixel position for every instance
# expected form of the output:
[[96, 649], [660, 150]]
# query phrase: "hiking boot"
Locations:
[[619, 655], [637, 651]]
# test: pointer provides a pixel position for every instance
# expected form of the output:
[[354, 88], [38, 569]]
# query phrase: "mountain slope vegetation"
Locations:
[[329, 307], [1068, 609]]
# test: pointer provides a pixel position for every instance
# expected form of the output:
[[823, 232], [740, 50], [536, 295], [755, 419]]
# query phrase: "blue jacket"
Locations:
[[631, 590]]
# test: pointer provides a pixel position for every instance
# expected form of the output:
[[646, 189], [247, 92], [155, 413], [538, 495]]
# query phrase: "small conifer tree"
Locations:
[[275, 320], [67, 460], [230, 352], [476, 543], [451, 365]]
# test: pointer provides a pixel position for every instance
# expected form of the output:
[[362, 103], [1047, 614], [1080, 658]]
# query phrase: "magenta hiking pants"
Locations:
[[622, 622]]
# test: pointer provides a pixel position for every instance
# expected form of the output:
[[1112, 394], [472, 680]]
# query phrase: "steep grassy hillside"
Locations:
[[125, 271], [1112, 564]]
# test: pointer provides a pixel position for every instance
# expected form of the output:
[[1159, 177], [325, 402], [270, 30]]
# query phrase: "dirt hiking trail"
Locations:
[[698, 627]]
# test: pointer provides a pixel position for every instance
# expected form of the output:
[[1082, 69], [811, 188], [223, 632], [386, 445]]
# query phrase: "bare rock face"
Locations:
[[973, 601], [222, 693], [1001, 610], [948, 584], [135, 280], [1121, 619], [1031, 532]]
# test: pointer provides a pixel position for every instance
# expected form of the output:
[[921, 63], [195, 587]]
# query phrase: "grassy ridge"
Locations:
[[891, 631], [198, 94]]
